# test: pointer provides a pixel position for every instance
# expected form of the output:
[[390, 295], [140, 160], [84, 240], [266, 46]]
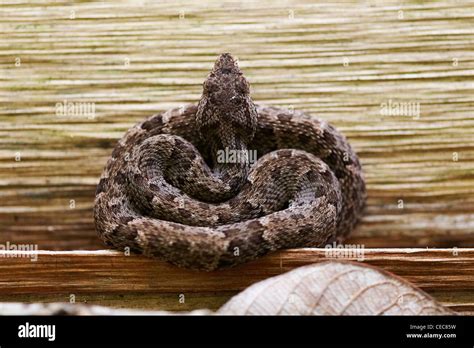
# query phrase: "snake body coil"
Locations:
[[182, 186]]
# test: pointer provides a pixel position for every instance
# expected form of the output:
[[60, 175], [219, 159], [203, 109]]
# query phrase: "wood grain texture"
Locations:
[[447, 274], [339, 61]]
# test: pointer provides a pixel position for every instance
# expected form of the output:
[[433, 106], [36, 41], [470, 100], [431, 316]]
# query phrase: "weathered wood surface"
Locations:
[[134, 59], [108, 277], [338, 61]]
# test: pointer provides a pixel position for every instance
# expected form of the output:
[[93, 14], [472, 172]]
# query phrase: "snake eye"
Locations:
[[242, 86], [210, 86], [236, 100]]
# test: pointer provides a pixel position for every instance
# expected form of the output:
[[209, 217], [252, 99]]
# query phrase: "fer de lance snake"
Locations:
[[226, 181]]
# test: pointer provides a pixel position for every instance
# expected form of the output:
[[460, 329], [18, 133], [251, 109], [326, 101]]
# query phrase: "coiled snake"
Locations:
[[183, 185]]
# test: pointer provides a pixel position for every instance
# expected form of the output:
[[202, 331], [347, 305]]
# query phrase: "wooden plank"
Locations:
[[110, 271], [110, 278], [337, 61], [461, 302], [174, 302]]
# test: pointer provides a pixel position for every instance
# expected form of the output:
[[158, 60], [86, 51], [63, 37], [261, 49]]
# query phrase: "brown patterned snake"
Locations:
[[181, 185]]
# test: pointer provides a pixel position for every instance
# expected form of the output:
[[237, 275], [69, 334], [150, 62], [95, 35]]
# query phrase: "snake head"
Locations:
[[226, 110]]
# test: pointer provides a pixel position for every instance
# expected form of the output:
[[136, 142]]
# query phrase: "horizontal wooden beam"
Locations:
[[109, 278], [107, 271]]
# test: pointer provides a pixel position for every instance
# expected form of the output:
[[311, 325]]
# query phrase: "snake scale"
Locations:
[[223, 182]]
